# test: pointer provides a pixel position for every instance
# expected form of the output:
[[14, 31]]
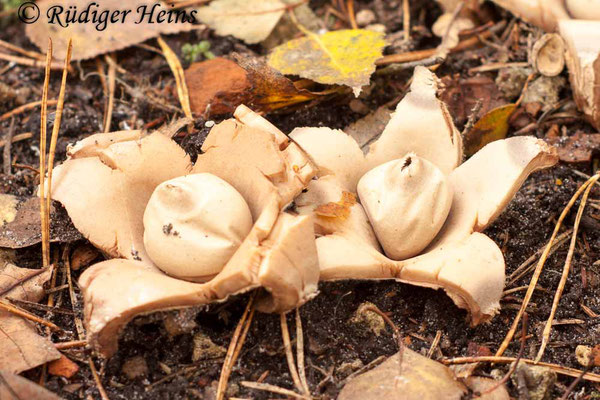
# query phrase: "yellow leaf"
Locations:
[[492, 126], [345, 57]]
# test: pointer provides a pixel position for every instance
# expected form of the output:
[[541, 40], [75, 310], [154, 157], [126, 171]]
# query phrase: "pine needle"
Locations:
[[566, 269], [538, 270], [285, 333], [177, 69], [43, 138]]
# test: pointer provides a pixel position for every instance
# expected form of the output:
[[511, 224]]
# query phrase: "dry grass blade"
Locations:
[[351, 16], [234, 348], [70, 345], [285, 333], [22, 313], [566, 269], [30, 62], [55, 129], [177, 69], [300, 352], [110, 91], [434, 344], [538, 270], [7, 148], [17, 138], [274, 389], [43, 138]]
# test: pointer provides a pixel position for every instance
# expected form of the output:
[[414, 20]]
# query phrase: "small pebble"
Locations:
[[209, 123], [365, 17], [135, 367]]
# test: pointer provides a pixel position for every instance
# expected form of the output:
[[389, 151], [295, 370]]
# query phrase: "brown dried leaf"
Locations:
[[340, 209], [417, 378], [492, 126], [15, 387], [461, 95], [577, 148], [63, 367], [219, 85], [369, 128], [21, 348], [482, 387], [88, 41], [20, 223]]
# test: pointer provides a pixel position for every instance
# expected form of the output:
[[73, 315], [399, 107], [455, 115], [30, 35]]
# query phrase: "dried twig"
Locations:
[[434, 344], [393, 326], [539, 268], [7, 148], [427, 53], [288, 352], [22, 313], [559, 369], [274, 389], [17, 49], [406, 19], [351, 17], [300, 352], [97, 380], [17, 138], [234, 347], [29, 61], [24, 108], [566, 269], [70, 345]]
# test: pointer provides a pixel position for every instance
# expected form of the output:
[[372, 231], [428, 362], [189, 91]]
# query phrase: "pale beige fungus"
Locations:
[[193, 224]]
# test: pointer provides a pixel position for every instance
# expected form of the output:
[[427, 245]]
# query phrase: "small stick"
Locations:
[[538, 270], [434, 344], [28, 61], [288, 352], [394, 327], [406, 19], [231, 351], [7, 148], [350, 6], [22, 313], [422, 54], [24, 108], [50, 309], [17, 49], [43, 138], [97, 379], [300, 352], [70, 345], [274, 389], [17, 138], [566, 269], [507, 360], [112, 69], [22, 280]]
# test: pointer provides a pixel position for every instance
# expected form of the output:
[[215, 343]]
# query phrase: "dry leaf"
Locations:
[[417, 378], [462, 94], [219, 85], [251, 21], [89, 41], [63, 367], [480, 386], [15, 387], [340, 209], [21, 348], [345, 57], [577, 148], [492, 126], [369, 128], [20, 223]]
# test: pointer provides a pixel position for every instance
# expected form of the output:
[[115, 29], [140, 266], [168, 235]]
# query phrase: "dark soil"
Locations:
[[331, 339]]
